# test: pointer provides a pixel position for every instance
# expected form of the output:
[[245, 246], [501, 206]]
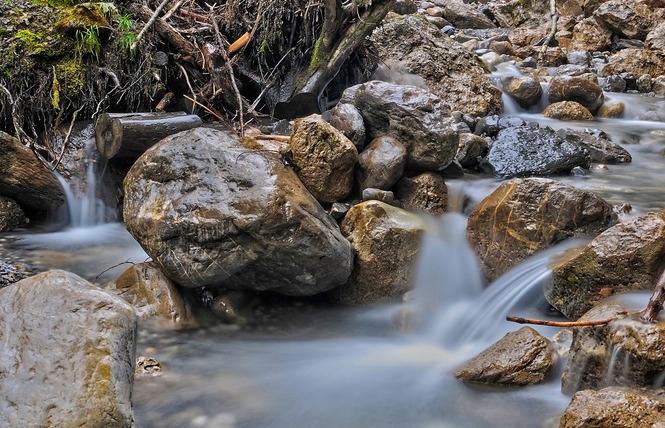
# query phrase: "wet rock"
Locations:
[[491, 125], [578, 58], [147, 366], [323, 158], [462, 15], [405, 7], [627, 256], [516, 13], [415, 117], [24, 179], [451, 72], [626, 352], [373, 194], [612, 109], [425, 192], [614, 84], [590, 35], [526, 90], [576, 88], [70, 359], [523, 216], [527, 36], [576, 70], [655, 40], [631, 19], [11, 215], [615, 407], [211, 212], [600, 148], [472, 148], [234, 306], [643, 84], [530, 150], [567, 110], [386, 240], [347, 119], [10, 274], [523, 357], [381, 164], [151, 293], [635, 61]]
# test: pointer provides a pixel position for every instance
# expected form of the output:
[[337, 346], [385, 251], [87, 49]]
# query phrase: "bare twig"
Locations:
[[214, 113], [554, 16], [148, 24], [113, 267], [284, 138], [656, 301], [521, 320], [173, 9], [189, 85], [66, 140]]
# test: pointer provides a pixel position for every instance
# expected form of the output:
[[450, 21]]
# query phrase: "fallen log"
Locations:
[[128, 135], [25, 179]]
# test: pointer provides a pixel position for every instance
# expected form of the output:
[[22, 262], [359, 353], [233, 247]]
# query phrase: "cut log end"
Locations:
[[108, 136]]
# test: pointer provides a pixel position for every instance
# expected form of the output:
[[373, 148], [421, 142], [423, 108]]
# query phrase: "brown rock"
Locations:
[[452, 73], [381, 164], [523, 357], [471, 149], [425, 192], [631, 19], [635, 61], [576, 88], [463, 15], [567, 110], [590, 35], [151, 293], [523, 216], [386, 240], [655, 40], [323, 158], [627, 256], [67, 354], [612, 109], [615, 407], [526, 90]]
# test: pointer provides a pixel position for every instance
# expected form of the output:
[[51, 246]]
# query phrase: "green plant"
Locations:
[[127, 40], [87, 41], [125, 23]]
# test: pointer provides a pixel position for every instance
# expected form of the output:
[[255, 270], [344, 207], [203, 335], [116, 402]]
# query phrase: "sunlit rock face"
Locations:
[[425, 192], [450, 71], [576, 88], [67, 354], [525, 90], [615, 407], [567, 110], [212, 212], [386, 240], [523, 216], [415, 117], [628, 256], [523, 357], [635, 61], [626, 352]]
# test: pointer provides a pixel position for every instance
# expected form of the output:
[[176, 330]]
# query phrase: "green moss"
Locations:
[[33, 44], [317, 55], [71, 75]]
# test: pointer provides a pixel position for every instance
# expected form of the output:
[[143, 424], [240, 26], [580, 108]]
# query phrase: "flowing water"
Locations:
[[310, 365]]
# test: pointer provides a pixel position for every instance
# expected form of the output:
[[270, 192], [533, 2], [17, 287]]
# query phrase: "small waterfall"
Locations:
[[612, 377]]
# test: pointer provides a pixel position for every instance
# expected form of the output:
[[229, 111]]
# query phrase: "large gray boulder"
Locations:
[[522, 357], [615, 407], [626, 257], [631, 19], [529, 150], [386, 240], [523, 216], [212, 212], [414, 116], [451, 72], [68, 352], [626, 352]]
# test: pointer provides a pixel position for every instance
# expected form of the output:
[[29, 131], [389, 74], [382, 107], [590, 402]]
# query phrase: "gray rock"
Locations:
[[600, 148], [347, 119], [425, 192], [212, 212], [491, 125], [452, 73], [523, 357], [69, 361], [405, 7], [655, 40], [528, 150], [373, 194], [415, 117], [578, 58], [615, 407], [323, 158], [463, 15], [627, 256], [381, 164], [11, 215], [614, 84], [472, 148], [386, 240], [523, 216]]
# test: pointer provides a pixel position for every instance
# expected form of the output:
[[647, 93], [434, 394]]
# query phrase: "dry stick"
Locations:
[[656, 301], [229, 69], [284, 138], [214, 113], [554, 17], [521, 320], [66, 140], [112, 267], [184, 72], [148, 24], [171, 11]]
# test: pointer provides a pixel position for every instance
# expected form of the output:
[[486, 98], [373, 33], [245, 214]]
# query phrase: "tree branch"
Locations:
[[656, 301]]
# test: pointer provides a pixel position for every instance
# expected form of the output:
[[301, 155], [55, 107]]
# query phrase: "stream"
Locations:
[[311, 365]]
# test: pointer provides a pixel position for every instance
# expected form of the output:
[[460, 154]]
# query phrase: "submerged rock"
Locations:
[[530, 150], [323, 158], [69, 361], [523, 216], [386, 240], [415, 117], [151, 293], [523, 357], [211, 212], [628, 256], [625, 352], [451, 71], [615, 407]]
